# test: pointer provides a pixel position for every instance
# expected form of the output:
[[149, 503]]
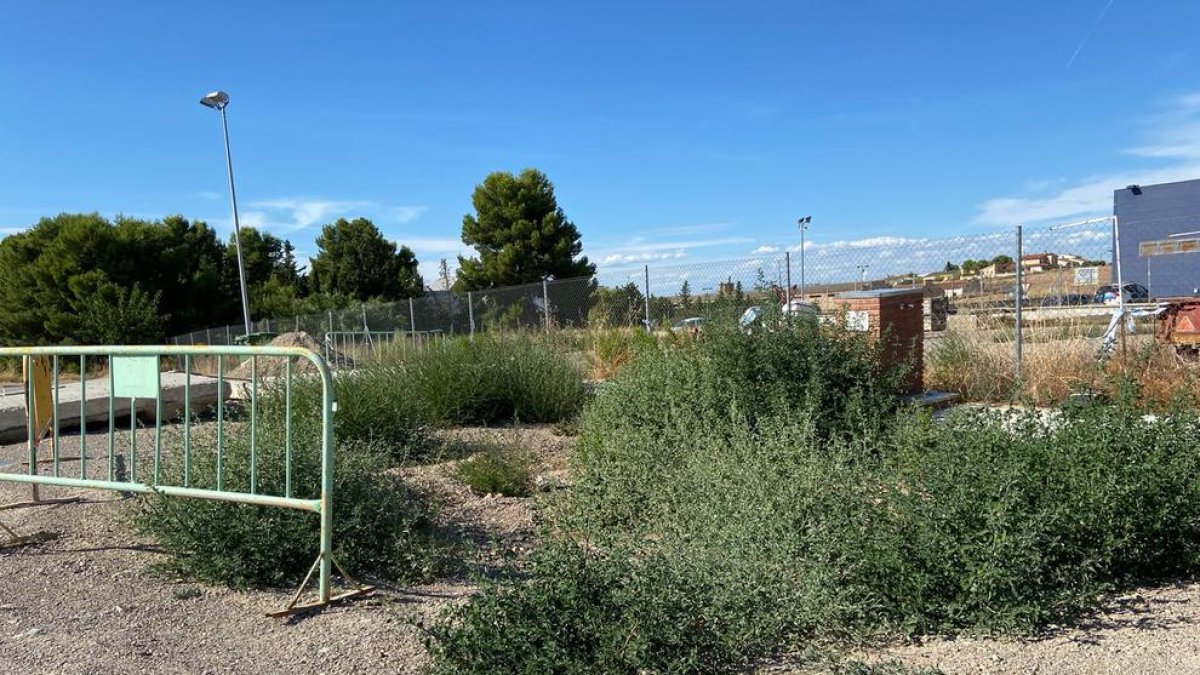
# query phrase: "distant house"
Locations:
[[1039, 262], [1068, 260], [998, 269]]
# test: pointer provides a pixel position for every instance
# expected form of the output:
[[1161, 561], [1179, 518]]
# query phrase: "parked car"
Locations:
[[691, 324], [1107, 295], [1067, 300]]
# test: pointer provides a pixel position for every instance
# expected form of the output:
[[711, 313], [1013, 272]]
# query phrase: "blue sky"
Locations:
[[674, 131]]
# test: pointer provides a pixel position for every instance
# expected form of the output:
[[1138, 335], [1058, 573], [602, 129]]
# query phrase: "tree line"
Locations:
[[80, 278]]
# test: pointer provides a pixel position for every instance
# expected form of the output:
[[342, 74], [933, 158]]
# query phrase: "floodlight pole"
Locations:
[[220, 105], [804, 223]]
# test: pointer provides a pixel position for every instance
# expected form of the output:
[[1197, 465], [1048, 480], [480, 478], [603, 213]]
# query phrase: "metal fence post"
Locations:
[[546, 301], [207, 336], [412, 317], [471, 312], [1120, 286], [787, 256], [646, 299], [268, 325], [297, 323], [1018, 293], [228, 337]]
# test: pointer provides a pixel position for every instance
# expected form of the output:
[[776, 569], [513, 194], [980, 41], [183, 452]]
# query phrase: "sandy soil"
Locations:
[[84, 600]]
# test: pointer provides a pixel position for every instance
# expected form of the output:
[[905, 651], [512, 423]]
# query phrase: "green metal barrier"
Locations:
[[135, 372]]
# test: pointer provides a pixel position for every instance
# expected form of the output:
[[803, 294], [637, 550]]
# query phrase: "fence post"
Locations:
[[329, 337], [1018, 293], [1120, 287], [268, 325], [412, 317], [471, 312], [646, 299], [208, 336], [228, 337], [546, 301], [297, 323], [787, 256]]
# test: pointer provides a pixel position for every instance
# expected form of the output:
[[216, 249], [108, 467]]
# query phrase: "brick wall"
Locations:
[[900, 317]]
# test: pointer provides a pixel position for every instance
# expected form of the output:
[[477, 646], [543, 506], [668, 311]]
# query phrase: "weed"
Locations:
[[499, 470]]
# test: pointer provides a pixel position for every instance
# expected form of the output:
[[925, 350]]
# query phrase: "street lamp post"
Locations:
[[219, 100], [803, 223], [862, 269]]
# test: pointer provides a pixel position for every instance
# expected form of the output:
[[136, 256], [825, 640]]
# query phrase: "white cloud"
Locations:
[[1173, 136], [207, 195], [619, 258], [305, 213], [407, 214], [765, 249], [433, 244]]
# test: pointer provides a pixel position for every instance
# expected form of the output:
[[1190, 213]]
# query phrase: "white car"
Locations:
[[691, 324]]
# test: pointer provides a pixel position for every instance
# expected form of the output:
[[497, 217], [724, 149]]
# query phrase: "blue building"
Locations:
[[1147, 216]]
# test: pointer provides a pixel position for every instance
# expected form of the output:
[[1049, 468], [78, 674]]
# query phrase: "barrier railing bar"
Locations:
[[220, 421], [158, 438], [133, 439], [254, 425], [82, 416], [187, 420], [170, 491], [54, 401], [287, 429], [29, 363], [112, 424]]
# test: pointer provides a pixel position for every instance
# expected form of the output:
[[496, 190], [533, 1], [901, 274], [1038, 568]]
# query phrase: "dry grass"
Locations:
[[1059, 359]]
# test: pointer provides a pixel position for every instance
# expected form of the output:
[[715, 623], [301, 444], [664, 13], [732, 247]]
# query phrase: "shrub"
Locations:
[[497, 470], [493, 378], [613, 349], [583, 612], [383, 526], [727, 516]]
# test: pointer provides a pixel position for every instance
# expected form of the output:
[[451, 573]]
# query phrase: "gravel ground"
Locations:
[[83, 599]]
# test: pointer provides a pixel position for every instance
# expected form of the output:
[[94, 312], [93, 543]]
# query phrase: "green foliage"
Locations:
[[355, 260], [113, 314], [498, 470], [616, 307], [730, 510], [379, 411], [583, 612], [79, 278], [492, 378], [382, 526], [521, 234], [52, 273]]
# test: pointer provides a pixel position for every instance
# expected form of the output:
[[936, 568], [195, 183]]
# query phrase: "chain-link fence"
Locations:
[[1001, 309]]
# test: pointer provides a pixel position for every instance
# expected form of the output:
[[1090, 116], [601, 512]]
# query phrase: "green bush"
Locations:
[[490, 379], [726, 522], [382, 526], [497, 470], [583, 613]]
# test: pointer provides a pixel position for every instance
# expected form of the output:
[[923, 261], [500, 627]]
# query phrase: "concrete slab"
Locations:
[[14, 422]]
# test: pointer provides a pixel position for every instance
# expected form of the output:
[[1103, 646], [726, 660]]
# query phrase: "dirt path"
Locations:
[[84, 600]]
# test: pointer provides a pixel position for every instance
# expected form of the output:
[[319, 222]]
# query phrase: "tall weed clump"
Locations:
[[719, 514], [383, 527], [489, 379]]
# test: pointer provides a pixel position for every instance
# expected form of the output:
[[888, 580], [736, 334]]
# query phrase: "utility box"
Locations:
[[1179, 323], [898, 314]]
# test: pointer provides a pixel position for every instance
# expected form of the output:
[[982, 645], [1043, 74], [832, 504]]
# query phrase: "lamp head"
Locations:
[[216, 100]]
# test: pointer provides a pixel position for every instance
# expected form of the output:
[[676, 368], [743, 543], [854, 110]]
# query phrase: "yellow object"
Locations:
[[37, 369]]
